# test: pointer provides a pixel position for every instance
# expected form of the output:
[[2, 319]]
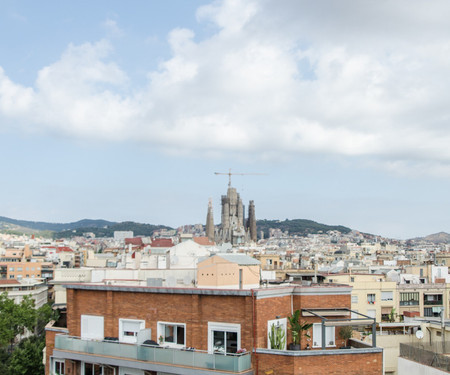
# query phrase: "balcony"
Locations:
[[201, 360], [433, 302], [433, 299]]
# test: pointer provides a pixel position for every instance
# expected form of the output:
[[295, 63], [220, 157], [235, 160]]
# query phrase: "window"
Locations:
[[129, 329], [279, 325], [352, 279], [92, 327], [433, 299], [19, 269], [387, 296], [408, 299], [317, 336], [354, 299], [92, 369], [354, 314], [173, 334], [372, 313], [11, 269], [130, 371], [224, 337], [371, 298], [58, 367]]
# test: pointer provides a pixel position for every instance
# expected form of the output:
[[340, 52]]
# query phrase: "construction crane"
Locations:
[[237, 174]]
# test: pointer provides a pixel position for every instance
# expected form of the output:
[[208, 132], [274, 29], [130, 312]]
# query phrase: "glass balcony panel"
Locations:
[[169, 356], [204, 360], [225, 362], [183, 357], [146, 353], [244, 362], [164, 355]]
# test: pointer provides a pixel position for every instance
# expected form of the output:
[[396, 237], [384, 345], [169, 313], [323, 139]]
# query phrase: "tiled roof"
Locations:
[[162, 242], [204, 241], [134, 241], [9, 282]]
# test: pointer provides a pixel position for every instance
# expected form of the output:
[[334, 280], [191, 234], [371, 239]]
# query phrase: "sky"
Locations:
[[124, 111]]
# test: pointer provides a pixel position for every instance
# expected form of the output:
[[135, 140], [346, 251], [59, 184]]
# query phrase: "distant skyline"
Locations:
[[124, 111]]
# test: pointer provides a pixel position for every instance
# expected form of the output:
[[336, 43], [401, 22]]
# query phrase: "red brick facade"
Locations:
[[195, 308]]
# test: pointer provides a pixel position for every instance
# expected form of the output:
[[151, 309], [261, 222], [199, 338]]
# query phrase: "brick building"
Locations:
[[114, 330]]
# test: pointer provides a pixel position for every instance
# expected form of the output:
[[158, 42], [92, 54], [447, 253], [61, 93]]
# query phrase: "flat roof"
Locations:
[[319, 289]]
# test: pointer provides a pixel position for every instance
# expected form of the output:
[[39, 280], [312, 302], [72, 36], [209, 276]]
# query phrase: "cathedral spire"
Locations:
[[210, 222]]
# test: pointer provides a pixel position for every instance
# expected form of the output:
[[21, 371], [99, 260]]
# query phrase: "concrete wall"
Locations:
[[407, 367]]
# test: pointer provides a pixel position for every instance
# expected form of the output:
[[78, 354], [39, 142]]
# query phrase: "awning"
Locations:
[[340, 323], [386, 310], [328, 313]]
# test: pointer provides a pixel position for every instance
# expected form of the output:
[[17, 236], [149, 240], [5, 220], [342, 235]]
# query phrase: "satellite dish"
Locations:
[[419, 334]]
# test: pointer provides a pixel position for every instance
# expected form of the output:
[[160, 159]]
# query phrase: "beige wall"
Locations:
[[216, 272], [364, 284]]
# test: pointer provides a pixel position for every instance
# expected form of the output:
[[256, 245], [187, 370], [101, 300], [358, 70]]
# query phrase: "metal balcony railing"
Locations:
[[169, 356]]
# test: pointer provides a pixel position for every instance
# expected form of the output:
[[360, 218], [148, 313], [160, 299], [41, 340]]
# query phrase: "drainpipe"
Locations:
[[429, 333], [254, 330], [323, 335]]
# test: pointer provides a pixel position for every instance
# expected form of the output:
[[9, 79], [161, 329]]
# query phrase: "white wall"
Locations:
[[407, 367]]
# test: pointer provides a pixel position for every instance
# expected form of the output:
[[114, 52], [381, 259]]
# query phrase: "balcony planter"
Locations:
[[346, 333], [297, 328], [293, 346]]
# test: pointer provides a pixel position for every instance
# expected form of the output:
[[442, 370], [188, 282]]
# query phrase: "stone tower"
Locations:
[[210, 222], [251, 222]]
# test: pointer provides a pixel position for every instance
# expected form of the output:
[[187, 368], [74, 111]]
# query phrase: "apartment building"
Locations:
[[126, 330], [376, 297], [372, 295], [20, 270], [17, 290], [425, 300], [270, 261]]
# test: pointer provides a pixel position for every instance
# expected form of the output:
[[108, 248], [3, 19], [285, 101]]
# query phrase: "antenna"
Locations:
[[237, 174]]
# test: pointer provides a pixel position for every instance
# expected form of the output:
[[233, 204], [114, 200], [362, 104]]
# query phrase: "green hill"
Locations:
[[137, 228], [56, 227], [300, 227]]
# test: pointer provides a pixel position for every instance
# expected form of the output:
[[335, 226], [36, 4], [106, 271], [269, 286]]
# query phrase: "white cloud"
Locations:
[[112, 28], [275, 79]]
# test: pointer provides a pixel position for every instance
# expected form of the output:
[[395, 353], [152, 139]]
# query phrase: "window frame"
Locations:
[[86, 334], [384, 293], [225, 327], [54, 361], [282, 322], [317, 327], [130, 339], [161, 328]]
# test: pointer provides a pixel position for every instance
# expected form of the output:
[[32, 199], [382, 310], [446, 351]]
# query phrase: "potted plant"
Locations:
[[296, 328], [277, 337], [346, 333]]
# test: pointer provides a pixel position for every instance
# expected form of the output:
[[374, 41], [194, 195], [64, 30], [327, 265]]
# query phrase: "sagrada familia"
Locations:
[[234, 228]]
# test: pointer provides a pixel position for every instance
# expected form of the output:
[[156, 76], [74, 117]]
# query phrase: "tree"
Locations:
[[15, 318], [43, 315], [27, 357]]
